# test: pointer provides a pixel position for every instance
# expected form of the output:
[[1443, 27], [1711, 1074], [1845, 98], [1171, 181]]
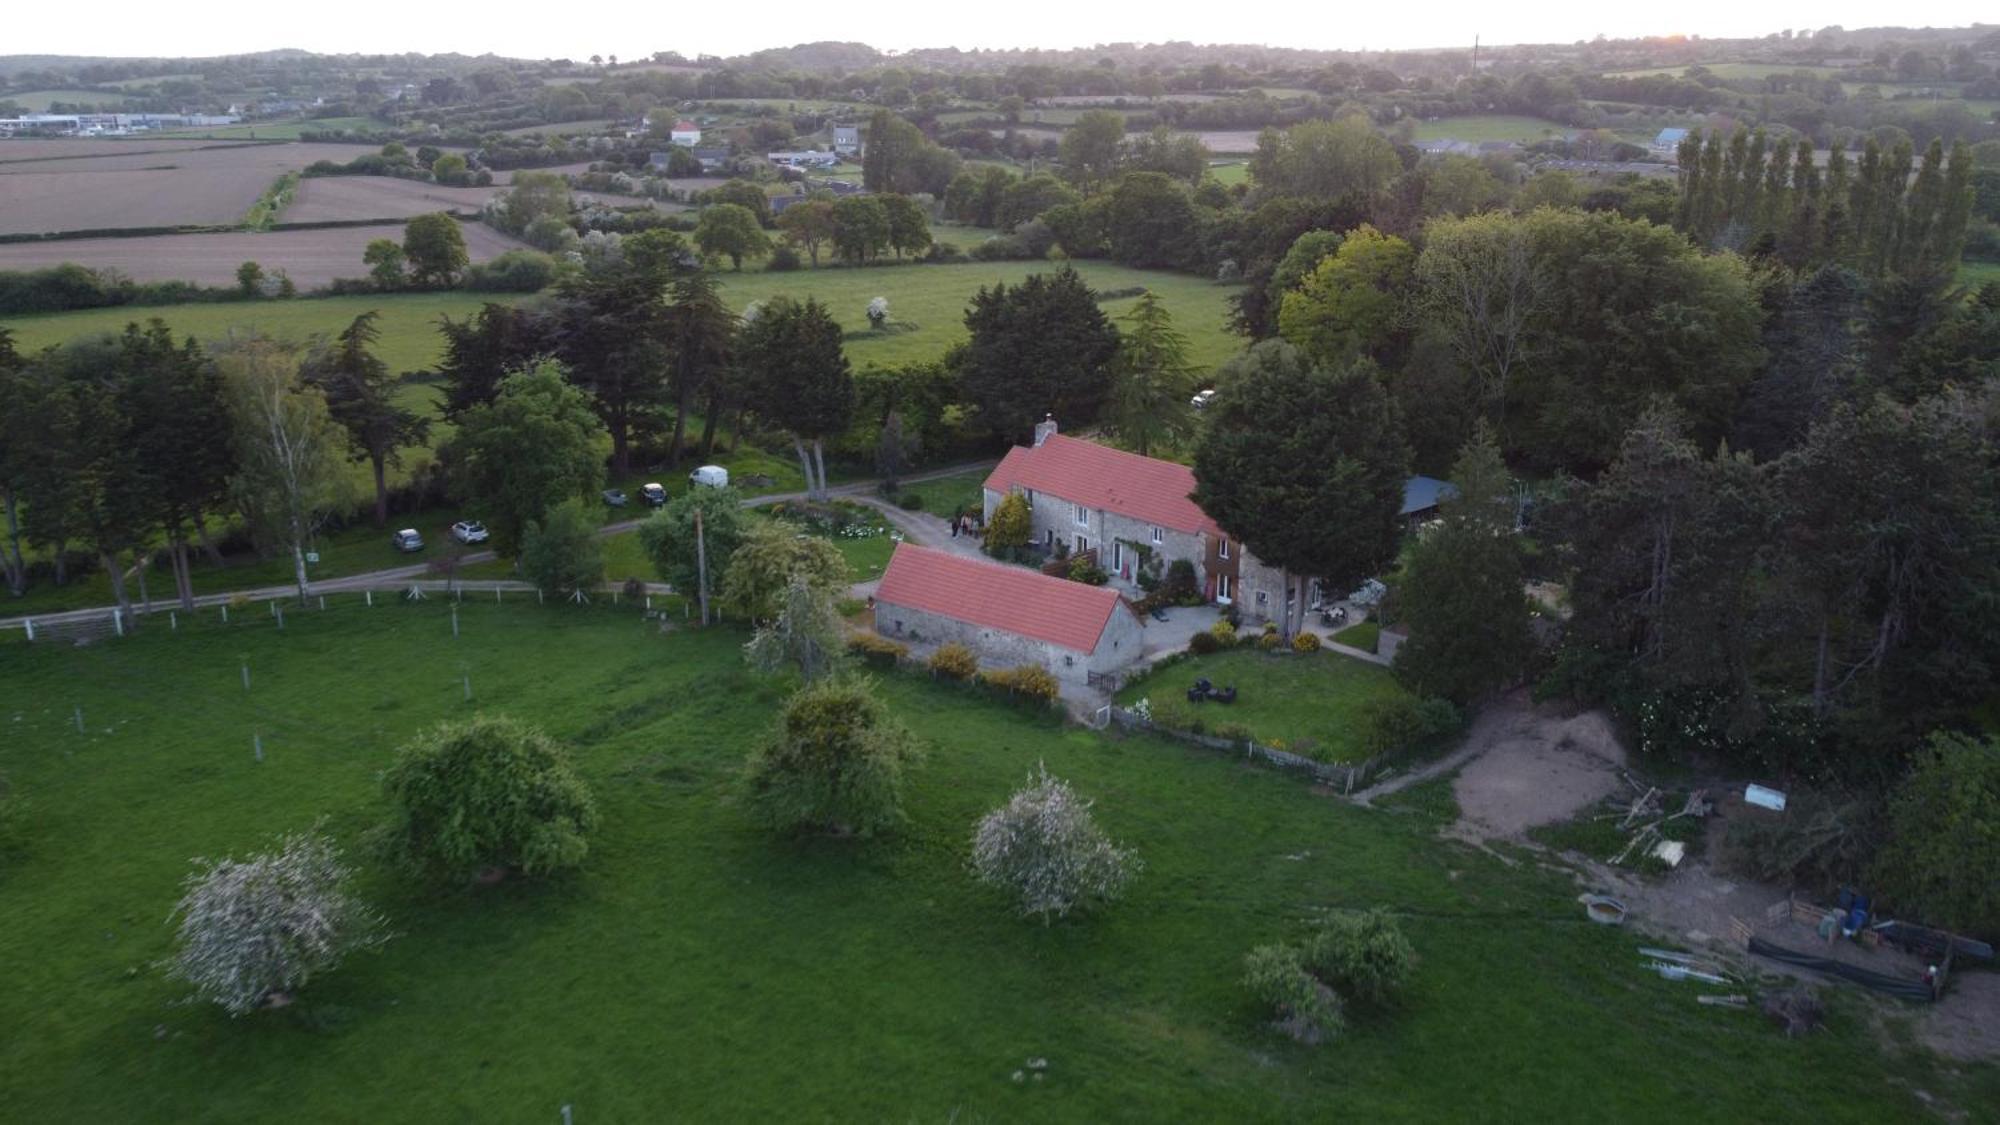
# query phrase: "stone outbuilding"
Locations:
[[1007, 615]]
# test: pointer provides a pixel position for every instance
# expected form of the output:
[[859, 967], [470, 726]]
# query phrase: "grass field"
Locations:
[[1235, 172], [1312, 703], [275, 130], [1978, 273], [1489, 127], [38, 101], [947, 495], [410, 340], [929, 301], [698, 969], [1361, 635]]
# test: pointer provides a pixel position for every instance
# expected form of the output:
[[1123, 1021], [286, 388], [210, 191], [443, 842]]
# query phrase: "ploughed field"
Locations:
[[143, 183], [310, 257]]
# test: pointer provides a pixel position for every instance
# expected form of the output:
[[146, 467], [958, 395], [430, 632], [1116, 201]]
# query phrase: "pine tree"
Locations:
[[1151, 381]]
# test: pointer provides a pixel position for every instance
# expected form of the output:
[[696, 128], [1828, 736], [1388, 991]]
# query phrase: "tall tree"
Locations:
[[290, 453], [731, 231], [485, 348], [434, 248], [1460, 587], [1305, 467], [1042, 346], [808, 225], [805, 383], [1091, 149], [361, 392], [174, 402], [536, 445], [615, 342], [909, 227], [700, 337], [1152, 380], [1352, 303], [860, 228], [16, 407]]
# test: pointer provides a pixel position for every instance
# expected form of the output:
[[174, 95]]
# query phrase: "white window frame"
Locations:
[[1159, 535], [1117, 555], [1222, 589], [1082, 516], [1225, 547], [1082, 544]]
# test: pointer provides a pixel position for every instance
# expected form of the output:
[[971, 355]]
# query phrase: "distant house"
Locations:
[[685, 133], [1008, 615], [847, 139], [1668, 142]]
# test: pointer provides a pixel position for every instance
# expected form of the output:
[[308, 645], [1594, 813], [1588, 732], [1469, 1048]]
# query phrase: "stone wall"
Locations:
[[1053, 520]]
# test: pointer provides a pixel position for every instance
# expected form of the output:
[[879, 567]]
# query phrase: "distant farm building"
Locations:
[[808, 159], [685, 133], [847, 139]]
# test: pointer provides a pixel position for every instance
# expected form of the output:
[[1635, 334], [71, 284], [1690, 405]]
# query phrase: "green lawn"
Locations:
[[1975, 274], [1312, 703], [698, 969], [1235, 172], [945, 496], [410, 340], [928, 302], [1489, 127], [1361, 635]]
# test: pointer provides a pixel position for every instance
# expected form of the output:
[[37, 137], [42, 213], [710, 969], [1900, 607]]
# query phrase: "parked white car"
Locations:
[[655, 494], [408, 541], [469, 531], [1202, 398], [710, 476]]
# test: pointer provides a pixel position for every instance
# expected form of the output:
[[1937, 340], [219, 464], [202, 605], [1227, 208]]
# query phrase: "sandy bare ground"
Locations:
[[136, 187], [14, 149], [310, 257], [338, 198], [1528, 766]]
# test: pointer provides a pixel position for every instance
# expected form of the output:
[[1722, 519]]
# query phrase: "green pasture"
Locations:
[[1489, 127], [698, 968]]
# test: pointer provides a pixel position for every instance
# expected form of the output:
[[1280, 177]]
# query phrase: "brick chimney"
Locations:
[[1044, 428]]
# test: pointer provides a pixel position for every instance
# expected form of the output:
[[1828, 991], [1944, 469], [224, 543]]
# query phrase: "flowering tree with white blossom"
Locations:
[[1044, 845], [252, 931]]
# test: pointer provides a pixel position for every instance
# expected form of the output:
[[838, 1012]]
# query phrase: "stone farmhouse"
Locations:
[[1137, 512], [1008, 615]]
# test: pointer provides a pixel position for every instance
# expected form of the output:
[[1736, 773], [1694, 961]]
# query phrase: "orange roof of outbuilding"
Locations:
[[1098, 476], [1013, 599]]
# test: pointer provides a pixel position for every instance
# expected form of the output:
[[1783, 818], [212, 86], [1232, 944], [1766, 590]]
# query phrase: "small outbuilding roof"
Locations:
[[1420, 494], [685, 126], [1098, 476], [1012, 599]]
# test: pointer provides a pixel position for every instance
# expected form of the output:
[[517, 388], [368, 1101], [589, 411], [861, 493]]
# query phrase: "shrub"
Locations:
[[1269, 642], [516, 271], [1201, 644], [953, 661], [1171, 713], [833, 764], [784, 259], [486, 793], [562, 552], [1224, 633], [1081, 569], [1361, 953], [252, 931], [1402, 722], [1179, 587], [1028, 680], [1305, 643], [1307, 1010], [1819, 842], [911, 501], [1235, 732], [1044, 846], [877, 651], [1943, 843]]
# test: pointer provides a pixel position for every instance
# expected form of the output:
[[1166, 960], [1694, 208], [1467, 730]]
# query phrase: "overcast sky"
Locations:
[[635, 30]]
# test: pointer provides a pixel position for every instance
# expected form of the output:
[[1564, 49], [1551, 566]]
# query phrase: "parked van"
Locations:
[[710, 476], [655, 494]]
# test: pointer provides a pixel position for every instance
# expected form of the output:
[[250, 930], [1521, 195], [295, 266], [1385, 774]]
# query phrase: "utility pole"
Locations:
[[701, 566]]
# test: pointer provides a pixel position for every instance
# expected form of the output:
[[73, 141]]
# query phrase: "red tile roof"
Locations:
[[1098, 476], [685, 126], [1013, 599]]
